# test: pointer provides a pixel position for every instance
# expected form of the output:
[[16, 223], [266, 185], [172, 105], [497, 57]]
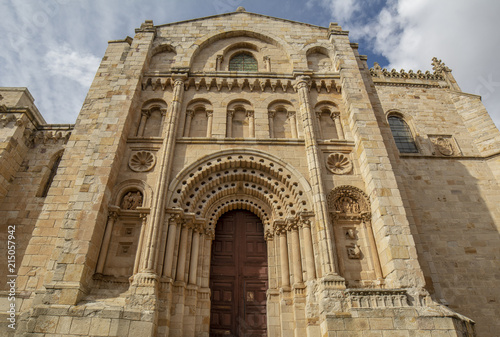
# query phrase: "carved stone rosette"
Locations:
[[338, 163], [142, 161]]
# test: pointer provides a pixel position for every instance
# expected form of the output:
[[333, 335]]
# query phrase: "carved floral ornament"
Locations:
[[338, 163], [142, 161], [348, 202]]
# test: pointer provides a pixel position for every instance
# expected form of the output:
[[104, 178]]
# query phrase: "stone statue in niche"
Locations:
[[131, 200], [353, 251], [347, 205]]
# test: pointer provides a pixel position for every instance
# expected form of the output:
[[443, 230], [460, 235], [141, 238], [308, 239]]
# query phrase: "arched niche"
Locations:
[[328, 121], [151, 119], [319, 60], [162, 59], [215, 52], [350, 213], [198, 120], [240, 119], [125, 226], [282, 119]]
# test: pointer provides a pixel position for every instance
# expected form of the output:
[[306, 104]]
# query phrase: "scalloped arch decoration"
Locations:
[[352, 196], [245, 179]]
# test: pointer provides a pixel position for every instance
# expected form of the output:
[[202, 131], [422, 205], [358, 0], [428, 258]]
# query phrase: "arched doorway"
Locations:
[[238, 276]]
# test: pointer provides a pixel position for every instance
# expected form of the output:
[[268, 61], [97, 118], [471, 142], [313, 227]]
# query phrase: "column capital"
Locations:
[[302, 81], [280, 227], [190, 112], [290, 114], [163, 111], [271, 113], [335, 114], [292, 224], [249, 113], [230, 113], [304, 223], [210, 233], [210, 113], [176, 219], [269, 235], [145, 112], [179, 79]]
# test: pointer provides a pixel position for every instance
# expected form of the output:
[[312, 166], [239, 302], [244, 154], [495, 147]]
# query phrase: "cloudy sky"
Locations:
[[54, 47]]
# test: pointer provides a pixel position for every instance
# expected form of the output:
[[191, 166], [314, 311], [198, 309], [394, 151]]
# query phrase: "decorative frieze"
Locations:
[[367, 298], [33, 138], [378, 72], [239, 83]]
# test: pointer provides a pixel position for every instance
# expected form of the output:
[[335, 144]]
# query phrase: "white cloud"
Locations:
[[464, 34], [79, 67]]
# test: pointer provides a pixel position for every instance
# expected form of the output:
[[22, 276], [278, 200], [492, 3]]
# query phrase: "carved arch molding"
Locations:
[[240, 179]]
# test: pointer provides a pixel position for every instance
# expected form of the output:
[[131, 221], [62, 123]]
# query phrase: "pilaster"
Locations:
[[400, 266]]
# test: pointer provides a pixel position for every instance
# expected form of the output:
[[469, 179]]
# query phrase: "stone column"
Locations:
[[318, 119], [305, 225], [367, 224], [218, 63], [267, 62], [313, 159], [293, 123], [142, 124], [336, 119], [181, 261], [251, 123], [229, 130], [174, 221], [189, 119], [152, 244], [163, 116], [140, 243], [296, 258], [195, 248], [280, 229], [271, 115], [210, 117], [113, 215]]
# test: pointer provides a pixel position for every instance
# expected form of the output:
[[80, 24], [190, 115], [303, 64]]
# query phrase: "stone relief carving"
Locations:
[[348, 202], [339, 163], [142, 161], [353, 251], [444, 145], [131, 200]]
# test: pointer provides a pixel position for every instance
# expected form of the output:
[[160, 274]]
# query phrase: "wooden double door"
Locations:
[[238, 276]]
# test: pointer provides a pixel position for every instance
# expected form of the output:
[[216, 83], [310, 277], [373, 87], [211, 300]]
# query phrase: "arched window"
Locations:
[[402, 135], [243, 62]]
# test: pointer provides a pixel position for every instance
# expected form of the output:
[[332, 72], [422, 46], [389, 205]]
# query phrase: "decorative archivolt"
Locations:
[[348, 202], [240, 179]]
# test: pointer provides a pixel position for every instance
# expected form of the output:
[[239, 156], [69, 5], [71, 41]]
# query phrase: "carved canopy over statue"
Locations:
[[348, 201]]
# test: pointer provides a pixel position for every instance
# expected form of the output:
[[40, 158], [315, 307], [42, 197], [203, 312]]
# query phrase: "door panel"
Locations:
[[238, 276]]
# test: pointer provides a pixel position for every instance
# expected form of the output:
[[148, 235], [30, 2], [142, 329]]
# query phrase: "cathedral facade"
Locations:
[[244, 175]]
